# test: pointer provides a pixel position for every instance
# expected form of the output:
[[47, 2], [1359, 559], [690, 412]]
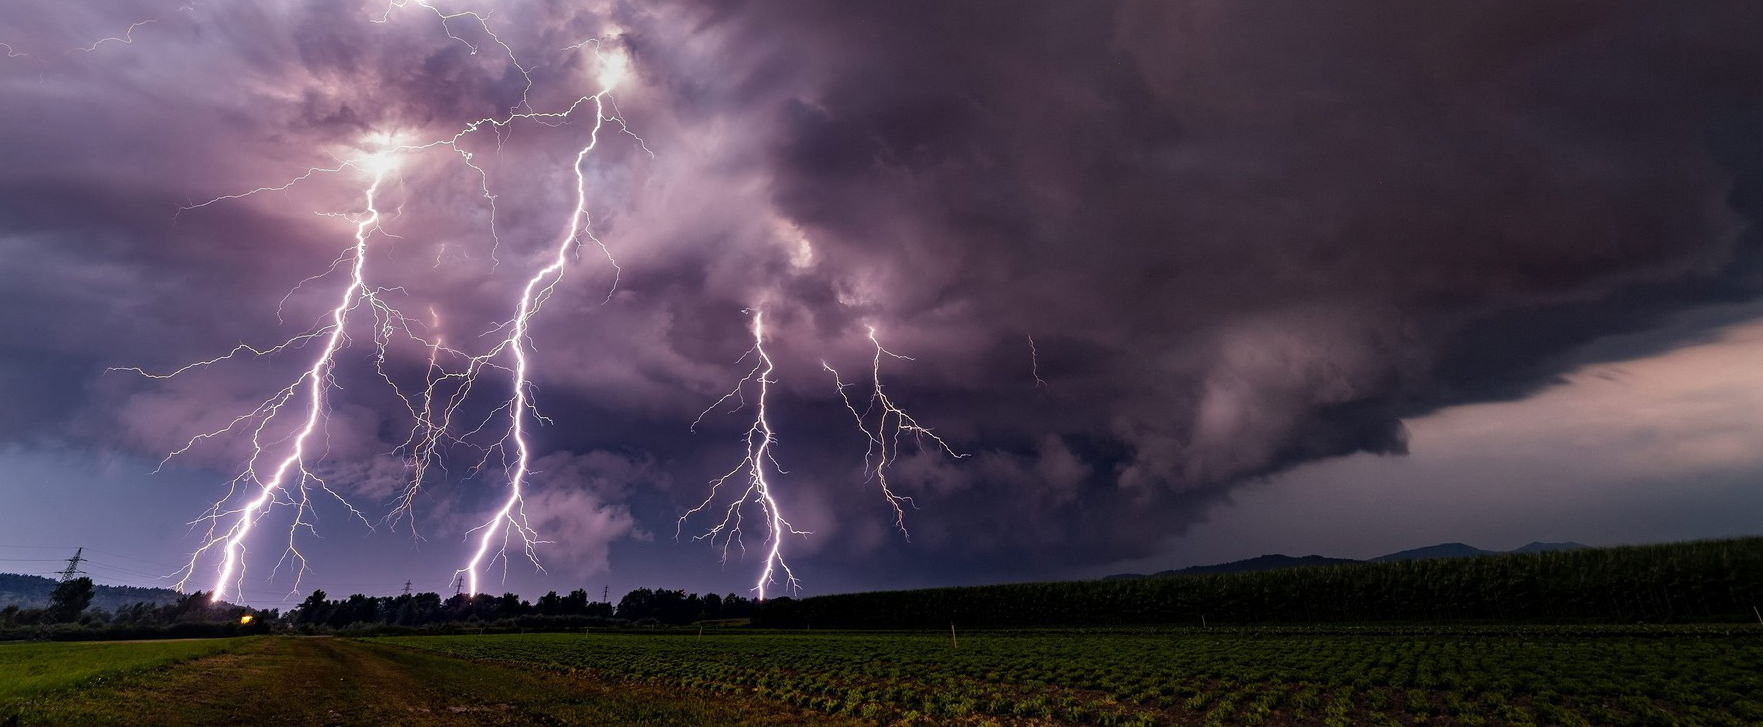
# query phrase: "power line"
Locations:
[[111, 554], [73, 566]]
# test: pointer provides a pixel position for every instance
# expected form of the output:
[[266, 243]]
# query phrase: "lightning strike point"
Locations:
[[279, 470], [759, 439]]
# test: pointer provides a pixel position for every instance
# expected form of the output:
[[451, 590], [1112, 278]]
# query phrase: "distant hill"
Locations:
[[1541, 547], [1280, 562], [1430, 552], [33, 592], [1260, 563], [1249, 565]]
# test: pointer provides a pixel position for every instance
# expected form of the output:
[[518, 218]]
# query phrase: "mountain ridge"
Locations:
[[28, 591], [1278, 561]]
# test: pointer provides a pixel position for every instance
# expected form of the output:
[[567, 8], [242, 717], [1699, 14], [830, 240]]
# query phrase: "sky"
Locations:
[[1178, 282]]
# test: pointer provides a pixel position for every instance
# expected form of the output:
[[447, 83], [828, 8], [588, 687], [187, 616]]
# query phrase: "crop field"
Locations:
[[296, 681], [1336, 676]]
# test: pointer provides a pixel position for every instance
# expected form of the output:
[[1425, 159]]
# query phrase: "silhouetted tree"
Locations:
[[69, 599], [312, 610]]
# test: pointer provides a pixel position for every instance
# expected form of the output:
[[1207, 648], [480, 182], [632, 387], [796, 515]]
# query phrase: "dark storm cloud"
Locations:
[[1272, 229], [1243, 236]]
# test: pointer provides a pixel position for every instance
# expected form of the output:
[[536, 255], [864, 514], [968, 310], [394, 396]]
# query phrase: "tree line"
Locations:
[[644, 606], [70, 617], [1706, 581]]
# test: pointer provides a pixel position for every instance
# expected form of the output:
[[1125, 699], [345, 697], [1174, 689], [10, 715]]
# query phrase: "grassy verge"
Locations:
[[32, 672], [30, 669]]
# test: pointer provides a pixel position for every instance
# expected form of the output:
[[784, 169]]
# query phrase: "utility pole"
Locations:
[[73, 565], [407, 588], [458, 585], [606, 593]]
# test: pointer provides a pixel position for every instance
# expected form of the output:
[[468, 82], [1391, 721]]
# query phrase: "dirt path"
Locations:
[[324, 681]]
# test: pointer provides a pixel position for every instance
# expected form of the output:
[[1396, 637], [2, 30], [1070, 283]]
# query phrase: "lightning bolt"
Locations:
[[1034, 362], [127, 38], [443, 393], [511, 519], [891, 424], [483, 23], [281, 467], [759, 439], [289, 475]]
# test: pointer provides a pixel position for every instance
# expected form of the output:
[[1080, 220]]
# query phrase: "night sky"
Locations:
[[1338, 278]]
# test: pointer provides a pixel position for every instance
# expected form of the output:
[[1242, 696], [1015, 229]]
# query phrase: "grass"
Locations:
[[29, 670], [1405, 676]]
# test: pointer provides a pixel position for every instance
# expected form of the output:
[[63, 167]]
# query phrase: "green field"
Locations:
[[1336, 676], [29, 670]]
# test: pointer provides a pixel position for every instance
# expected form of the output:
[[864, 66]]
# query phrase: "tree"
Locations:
[[549, 604], [311, 610], [70, 598], [576, 602]]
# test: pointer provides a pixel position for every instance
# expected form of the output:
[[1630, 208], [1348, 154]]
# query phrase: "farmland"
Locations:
[[338, 682], [1329, 676], [1656, 635], [30, 669]]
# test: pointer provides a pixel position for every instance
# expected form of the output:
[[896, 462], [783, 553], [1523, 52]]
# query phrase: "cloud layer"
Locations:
[[1242, 237]]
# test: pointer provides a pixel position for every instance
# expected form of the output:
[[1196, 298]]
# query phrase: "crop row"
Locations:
[[1227, 678]]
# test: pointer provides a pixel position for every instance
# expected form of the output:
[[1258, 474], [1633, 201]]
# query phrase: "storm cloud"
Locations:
[[1242, 236]]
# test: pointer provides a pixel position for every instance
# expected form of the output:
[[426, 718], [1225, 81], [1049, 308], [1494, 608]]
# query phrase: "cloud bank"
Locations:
[[1242, 237]]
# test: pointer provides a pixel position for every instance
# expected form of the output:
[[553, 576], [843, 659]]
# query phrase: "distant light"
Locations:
[[245, 619]]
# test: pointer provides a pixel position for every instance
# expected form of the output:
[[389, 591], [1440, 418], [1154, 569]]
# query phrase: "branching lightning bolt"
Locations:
[[511, 519], [759, 438], [444, 392], [483, 23], [290, 474], [127, 38], [884, 435], [286, 430]]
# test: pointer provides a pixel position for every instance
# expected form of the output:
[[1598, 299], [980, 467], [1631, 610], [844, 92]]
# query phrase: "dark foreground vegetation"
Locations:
[[1333, 676], [1706, 581], [335, 682], [1716, 581], [1658, 635]]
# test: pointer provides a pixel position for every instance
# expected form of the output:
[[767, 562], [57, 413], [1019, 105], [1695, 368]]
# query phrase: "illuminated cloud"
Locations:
[[1243, 237]]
